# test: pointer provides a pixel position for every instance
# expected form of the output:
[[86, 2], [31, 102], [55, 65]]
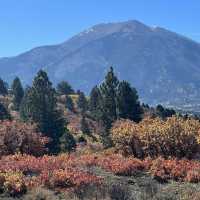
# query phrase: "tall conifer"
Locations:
[[3, 88], [39, 105], [95, 103], [18, 93], [128, 106], [82, 102]]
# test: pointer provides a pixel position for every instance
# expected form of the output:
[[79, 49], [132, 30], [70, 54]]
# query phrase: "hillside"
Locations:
[[162, 65]]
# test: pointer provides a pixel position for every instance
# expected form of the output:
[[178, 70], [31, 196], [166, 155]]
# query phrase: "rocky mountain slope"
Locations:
[[162, 65]]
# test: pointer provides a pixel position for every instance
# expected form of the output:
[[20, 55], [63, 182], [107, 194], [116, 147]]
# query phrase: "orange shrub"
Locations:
[[115, 163], [18, 172], [71, 178], [178, 170], [155, 137], [18, 137], [67, 172]]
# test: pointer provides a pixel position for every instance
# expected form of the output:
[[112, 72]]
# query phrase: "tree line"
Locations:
[[107, 102]]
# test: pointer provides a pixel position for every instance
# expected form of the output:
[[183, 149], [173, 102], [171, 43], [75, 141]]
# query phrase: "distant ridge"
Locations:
[[164, 66]]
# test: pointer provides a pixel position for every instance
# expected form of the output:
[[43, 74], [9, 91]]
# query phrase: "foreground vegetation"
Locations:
[[72, 174]]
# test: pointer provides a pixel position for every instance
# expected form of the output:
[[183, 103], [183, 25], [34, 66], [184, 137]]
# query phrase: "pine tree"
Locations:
[[25, 104], [4, 114], [3, 88], [69, 103], [64, 88], [18, 93], [109, 93], [160, 111], [95, 103], [82, 102], [108, 106], [163, 113], [84, 126], [128, 105], [169, 112], [39, 105]]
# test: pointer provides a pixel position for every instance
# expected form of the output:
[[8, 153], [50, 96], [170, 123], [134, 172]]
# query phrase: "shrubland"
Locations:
[[69, 173], [174, 137], [105, 146]]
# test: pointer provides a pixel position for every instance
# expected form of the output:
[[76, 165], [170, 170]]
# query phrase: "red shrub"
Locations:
[[18, 137], [71, 178], [178, 170], [56, 172], [19, 172], [115, 163]]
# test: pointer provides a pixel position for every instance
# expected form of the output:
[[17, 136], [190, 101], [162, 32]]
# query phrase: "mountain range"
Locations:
[[162, 65]]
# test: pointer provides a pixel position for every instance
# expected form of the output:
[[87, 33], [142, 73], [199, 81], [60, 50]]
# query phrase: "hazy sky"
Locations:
[[25, 24]]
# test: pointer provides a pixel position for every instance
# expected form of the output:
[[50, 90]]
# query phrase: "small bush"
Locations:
[[174, 169], [13, 183], [17, 137]]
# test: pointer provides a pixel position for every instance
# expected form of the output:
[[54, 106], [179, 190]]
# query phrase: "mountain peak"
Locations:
[[104, 29], [130, 25]]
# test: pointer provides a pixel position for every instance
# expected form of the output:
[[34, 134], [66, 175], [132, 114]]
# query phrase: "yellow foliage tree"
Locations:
[[174, 137]]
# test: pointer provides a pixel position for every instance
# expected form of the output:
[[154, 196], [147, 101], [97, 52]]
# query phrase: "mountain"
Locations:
[[164, 66]]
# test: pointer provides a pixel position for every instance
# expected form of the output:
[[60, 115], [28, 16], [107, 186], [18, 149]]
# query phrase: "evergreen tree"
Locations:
[[18, 93], [39, 105], [64, 88], [160, 111], [109, 93], [25, 104], [69, 103], [84, 126], [169, 112], [164, 113], [128, 105], [108, 106], [82, 102], [3, 88], [67, 142], [4, 114], [95, 103]]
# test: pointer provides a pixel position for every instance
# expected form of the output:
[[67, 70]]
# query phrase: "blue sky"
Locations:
[[25, 24]]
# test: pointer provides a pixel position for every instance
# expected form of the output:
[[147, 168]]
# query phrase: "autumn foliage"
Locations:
[[18, 137], [174, 137], [21, 172], [114, 163], [174, 169], [161, 169]]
